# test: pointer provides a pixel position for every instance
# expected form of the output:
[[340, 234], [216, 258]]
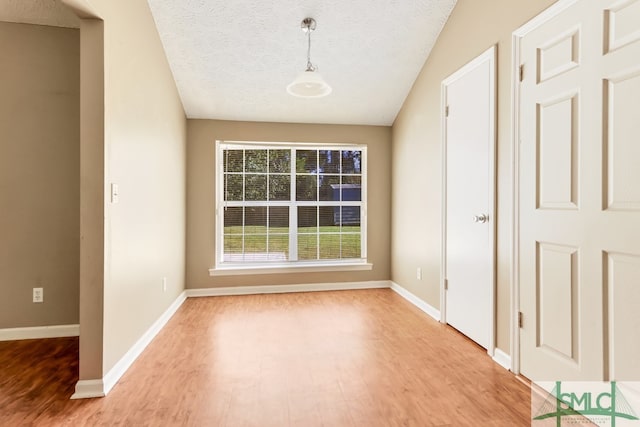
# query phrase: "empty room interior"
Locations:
[[317, 213]]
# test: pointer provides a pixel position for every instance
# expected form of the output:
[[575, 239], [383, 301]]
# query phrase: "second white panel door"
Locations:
[[469, 189]]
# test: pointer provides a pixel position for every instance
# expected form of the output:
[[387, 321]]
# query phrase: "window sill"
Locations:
[[237, 270]]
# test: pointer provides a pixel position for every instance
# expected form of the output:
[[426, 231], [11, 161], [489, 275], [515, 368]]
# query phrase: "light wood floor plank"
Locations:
[[345, 358]]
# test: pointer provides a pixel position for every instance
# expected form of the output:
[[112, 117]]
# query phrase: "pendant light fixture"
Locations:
[[309, 83]]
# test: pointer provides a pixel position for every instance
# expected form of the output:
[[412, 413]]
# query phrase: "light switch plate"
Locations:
[[115, 197]]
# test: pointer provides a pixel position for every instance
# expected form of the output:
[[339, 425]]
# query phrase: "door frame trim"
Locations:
[[490, 55], [516, 37]]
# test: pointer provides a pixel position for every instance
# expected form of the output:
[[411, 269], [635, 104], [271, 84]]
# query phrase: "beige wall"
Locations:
[[134, 135], [145, 144], [39, 174], [473, 27], [92, 202], [202, 135]]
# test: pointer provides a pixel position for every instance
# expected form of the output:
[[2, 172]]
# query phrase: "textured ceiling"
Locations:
[[39, 12], [232, 60]]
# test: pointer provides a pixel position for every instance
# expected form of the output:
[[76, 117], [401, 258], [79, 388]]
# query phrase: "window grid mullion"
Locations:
[[340, 180], [244, 209], [317, 204], [268, 209], [293, 209]]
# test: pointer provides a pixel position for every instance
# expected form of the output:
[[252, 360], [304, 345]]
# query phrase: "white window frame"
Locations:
[[239, 268]]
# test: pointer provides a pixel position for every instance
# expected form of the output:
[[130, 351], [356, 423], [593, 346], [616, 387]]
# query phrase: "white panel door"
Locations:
[[469, 96], [580, 194]]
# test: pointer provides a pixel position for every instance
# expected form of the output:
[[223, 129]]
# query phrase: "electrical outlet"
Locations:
[[419, 273], [38, 295], [164, 284]]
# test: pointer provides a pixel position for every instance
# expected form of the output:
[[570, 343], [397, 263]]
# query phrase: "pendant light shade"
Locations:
[[309, 83]]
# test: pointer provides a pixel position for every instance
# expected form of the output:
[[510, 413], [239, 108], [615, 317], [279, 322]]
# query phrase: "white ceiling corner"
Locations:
[[232, 60]]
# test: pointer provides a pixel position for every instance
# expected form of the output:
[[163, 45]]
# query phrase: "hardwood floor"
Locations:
[[347, 358]]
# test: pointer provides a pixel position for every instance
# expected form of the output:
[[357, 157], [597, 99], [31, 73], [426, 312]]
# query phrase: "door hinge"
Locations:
[[446, 284], [446, 111], [520, 321], [521, 72]]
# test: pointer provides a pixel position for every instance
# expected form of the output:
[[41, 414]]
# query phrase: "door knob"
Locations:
[[480, 218]]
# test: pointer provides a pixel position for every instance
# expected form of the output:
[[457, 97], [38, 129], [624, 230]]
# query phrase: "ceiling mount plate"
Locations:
[[308, 24]]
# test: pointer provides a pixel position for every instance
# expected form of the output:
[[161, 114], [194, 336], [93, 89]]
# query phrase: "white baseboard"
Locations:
[[39, 332], [499, 356], [86, 389], [279, 289], [430, 310], [99, 388], [115, 373], [502, 359]]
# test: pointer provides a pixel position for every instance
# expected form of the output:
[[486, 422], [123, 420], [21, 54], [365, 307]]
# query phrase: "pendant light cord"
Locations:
[[310, 66]]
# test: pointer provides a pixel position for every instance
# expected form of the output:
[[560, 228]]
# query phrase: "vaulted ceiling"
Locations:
[[232, 60]]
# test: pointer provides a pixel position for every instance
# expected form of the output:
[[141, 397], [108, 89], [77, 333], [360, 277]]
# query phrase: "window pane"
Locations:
[[278, 247], [232, 245], [233, 220], [351, 191], [351, 162], [329, 187], [351, 229], [279, 187], [307, 219], [280, 161], [349, 216], [331, 228], [232, 187], [307, 246], [255, 161], [352, 179], [326, 216], [351, 245], [330, 246], [307, 161], [306, 187], [256, 188], [255, 220], [255, 247], [329, 161], [232, 160], [278, 219]]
